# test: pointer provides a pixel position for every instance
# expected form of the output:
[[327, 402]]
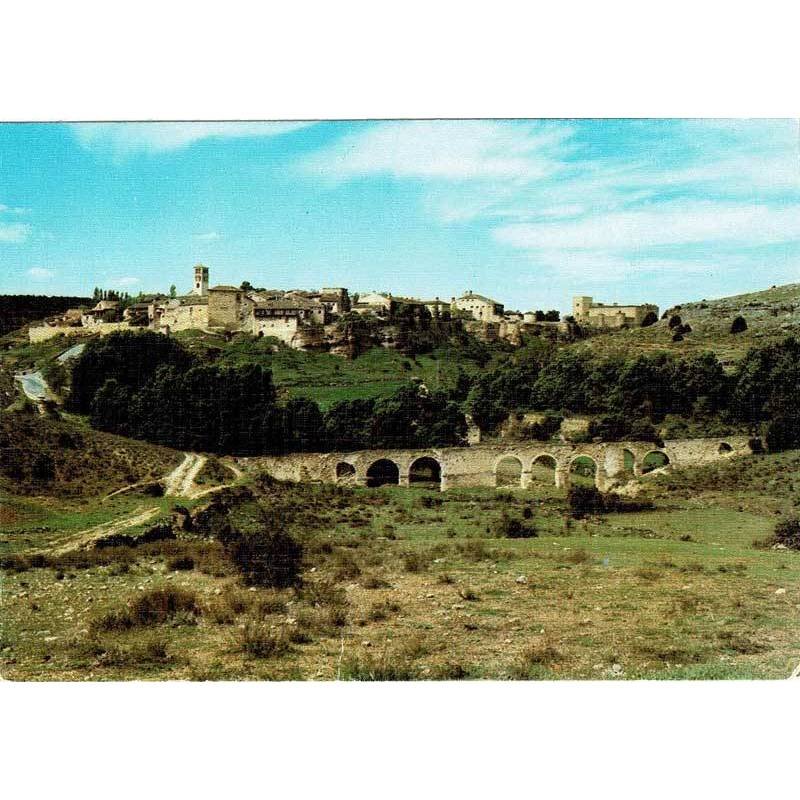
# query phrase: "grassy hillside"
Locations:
[[328, 378], [771, 315], [62, 458]]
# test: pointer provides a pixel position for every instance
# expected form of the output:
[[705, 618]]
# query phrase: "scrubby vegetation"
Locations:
[[39, 454]]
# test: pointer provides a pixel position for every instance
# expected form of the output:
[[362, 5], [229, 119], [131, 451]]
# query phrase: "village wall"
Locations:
[[45, 332]]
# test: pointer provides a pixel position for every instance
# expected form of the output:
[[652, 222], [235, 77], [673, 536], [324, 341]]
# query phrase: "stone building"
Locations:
[[181, 314], [600, 315], [104, 311], [379, 305], [224, 307], [336, 300], [480, 307]]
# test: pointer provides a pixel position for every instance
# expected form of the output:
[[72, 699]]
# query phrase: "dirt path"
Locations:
[[90, 535], [181, 480]]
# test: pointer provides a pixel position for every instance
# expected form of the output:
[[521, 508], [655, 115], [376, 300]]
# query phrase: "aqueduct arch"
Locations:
[[508, 471], [583, 470], [383, 472], [544, 468], [517, 465], [425, 470], [345, 472], [654, 459]]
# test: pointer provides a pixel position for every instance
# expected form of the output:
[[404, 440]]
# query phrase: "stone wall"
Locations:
[[185, 317], [45, 332]]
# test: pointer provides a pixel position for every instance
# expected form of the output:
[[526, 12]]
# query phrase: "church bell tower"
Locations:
[[200, 286]]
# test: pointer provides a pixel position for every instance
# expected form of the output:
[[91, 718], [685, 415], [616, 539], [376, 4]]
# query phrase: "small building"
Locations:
[[481, 308], [336, 299], [104, 311], [600, 315], [379, 305]]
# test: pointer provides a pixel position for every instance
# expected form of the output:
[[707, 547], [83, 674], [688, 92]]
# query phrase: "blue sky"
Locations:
[[529, 212]]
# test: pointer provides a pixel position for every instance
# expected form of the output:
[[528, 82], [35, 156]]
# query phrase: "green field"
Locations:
[[415, 584], [327, 378]]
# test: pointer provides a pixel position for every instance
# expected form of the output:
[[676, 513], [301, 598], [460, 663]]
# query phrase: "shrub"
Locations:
[[674, 321], [650, 319], [585, 500], [783, 433], [158, 605], [154, 607], [413, 562], [739, 325], [787, 533], [515, 528], [260, 641], [180, 563], [267, 559]]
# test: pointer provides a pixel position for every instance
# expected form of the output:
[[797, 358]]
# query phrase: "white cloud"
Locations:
[[127, 281], [40, 273], [12, 210], [123, 139], [14, 232], [613, 267], [660, 224], [447, 150], [211, 236]]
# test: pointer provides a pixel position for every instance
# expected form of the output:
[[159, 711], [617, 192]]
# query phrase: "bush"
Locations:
[[739, 325], [787, 533], [267, 559], [154, 607], [180, 563], [515, 528], [650, 319], [783, 433], [585, 500], [674, 321], [260, 641]]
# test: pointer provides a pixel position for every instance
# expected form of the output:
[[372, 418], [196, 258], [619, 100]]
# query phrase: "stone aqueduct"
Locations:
[[479, 465]]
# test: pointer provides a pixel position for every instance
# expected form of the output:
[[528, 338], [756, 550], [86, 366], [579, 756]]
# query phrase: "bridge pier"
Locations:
[[562, 477], [526, 478]]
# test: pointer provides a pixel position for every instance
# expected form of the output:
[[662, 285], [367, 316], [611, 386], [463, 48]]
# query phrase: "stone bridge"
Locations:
[[611, 463]]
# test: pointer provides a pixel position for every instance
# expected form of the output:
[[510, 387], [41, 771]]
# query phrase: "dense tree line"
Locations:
[[17, 310], [147, 386], [631, 394]]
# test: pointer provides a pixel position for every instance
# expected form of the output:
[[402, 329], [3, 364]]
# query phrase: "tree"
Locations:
[[173, 292], [650, 319], [739, 325], [347, 424]]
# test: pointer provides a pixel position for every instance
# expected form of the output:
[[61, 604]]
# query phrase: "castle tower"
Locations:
[[200, 285], [580, 307]]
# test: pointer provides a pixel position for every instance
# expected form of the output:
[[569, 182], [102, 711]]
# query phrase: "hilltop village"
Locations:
[[320, 320]]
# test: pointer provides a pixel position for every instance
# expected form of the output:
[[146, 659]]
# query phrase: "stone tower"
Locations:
[[580, 307], [200, 286]]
